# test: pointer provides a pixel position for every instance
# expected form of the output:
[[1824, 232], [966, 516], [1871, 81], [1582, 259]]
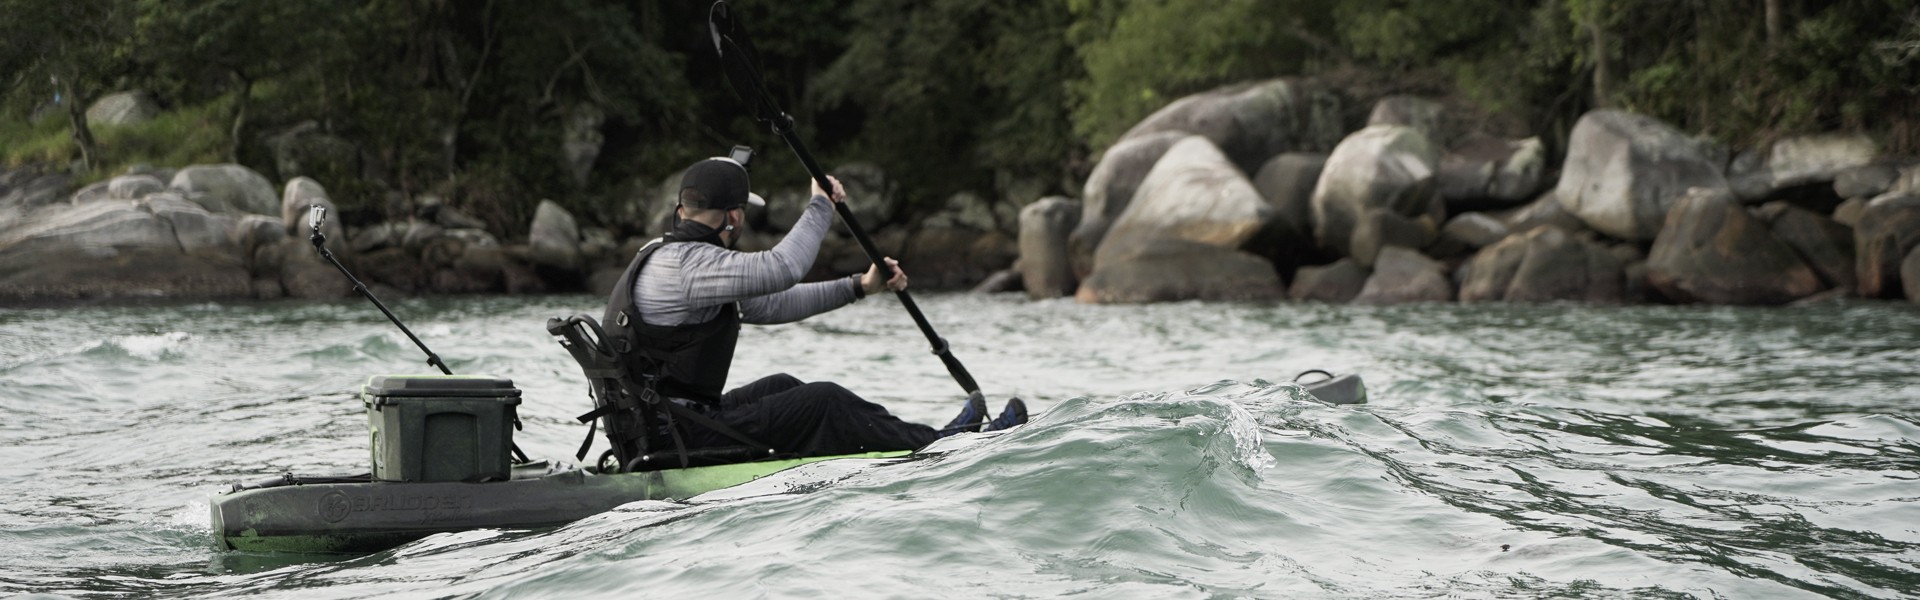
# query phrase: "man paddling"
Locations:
[[683, 305]]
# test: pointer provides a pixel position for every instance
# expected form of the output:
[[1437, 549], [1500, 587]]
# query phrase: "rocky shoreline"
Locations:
[[1254, 192]]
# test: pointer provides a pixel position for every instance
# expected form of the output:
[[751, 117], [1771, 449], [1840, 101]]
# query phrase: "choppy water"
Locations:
[[1508, 451]]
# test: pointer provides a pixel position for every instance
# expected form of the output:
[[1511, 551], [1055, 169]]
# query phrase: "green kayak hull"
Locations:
[[370, 516]]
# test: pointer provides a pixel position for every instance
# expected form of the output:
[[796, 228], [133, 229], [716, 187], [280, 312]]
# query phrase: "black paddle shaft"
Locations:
[[736, 55]]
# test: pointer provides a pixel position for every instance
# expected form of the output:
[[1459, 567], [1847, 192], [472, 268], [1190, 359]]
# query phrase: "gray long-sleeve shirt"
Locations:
[[688, 283]]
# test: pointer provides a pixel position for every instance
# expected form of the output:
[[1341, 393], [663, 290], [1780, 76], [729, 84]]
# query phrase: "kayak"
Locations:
[[358, 514], [426, 431]]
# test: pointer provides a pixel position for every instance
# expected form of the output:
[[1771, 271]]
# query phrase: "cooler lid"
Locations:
[[440, 386]]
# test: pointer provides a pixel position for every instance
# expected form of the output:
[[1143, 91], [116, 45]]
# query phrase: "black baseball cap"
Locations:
[[717, 183]]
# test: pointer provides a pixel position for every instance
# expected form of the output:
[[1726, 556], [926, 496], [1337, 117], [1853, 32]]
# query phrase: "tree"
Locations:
[[78, 46]]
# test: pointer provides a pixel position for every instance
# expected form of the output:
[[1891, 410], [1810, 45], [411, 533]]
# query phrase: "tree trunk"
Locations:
[[1602, 67], [237, 132], [1773, 22], [77, 119]]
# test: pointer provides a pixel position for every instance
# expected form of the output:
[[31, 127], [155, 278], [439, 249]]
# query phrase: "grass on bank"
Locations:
[[177, 137]]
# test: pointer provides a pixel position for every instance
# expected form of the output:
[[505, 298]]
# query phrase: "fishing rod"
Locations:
[[737, 55], [317, 216]]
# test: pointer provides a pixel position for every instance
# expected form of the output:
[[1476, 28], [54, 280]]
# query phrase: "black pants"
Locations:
[[809, 419]]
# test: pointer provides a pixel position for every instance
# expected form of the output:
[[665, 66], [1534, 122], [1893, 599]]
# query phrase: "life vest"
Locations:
[[687, 361]]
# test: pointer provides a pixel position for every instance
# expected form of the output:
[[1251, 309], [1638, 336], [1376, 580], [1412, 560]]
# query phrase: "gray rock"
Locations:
[[1487, 276], [1193, 195], [133, 187], [1485, 172], [1910, 275], [1865, 181], [873, 196], [1474, 230], [1545, 210], [1804, 159], [453, 218], [1111, 187], [1383, 166], [954, 258], [1338, 283], [1624, 171], [32, 192], [1004, 280], [1046, 270], [1848, 213], [198, 231], [1381, 228], [227, 188], [296, 202], [553, 241], [250, 232], [1825, 245], [1889, 228], [1558, 266], [1251, 122], [1402, 275], [967, 210], [95, 192], [119, 250], [1711, 250], [1421, 114], [1169, 269], [1286, 181], [122, 108]]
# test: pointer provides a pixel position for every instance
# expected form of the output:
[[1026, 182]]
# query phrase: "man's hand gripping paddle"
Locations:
[[736, 53]]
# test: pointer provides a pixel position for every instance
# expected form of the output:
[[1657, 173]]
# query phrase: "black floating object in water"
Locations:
[[1335, 389]]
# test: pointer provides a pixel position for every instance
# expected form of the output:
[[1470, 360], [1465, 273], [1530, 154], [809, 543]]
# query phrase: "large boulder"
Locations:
[[1826, 245], [1545, 210], [1045, 268], [1820, 158], [1624, 171], [1166, 269], [1865, 181], [1888, 229], [297, 200], [967, 210], [122, 108], [1251, 122], [227, 188], [1712, 250], [1339, 282], [1546, 264], [1287, 181], [553, 243], [1192, 194], [1402, 275], [1485, 172], [1384, 166], [1111, 187], [121, 250]]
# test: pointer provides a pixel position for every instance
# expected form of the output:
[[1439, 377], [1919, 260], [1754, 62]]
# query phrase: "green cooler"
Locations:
[[440, 427]]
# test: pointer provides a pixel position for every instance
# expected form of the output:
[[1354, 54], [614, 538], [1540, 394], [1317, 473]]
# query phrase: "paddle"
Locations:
[[736, 53]]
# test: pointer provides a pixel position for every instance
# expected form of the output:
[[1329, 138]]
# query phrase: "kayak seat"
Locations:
[[638, 420]]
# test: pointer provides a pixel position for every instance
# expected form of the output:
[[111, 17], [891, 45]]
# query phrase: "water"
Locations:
[[1509, 451]]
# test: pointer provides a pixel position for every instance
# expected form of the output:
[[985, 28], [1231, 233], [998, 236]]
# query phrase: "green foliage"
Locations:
[[469, 100], [954, 91], [1140, 55]]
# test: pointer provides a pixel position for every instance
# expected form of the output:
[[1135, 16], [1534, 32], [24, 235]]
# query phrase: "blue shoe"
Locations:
[[1014, 414], [970, 416]]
